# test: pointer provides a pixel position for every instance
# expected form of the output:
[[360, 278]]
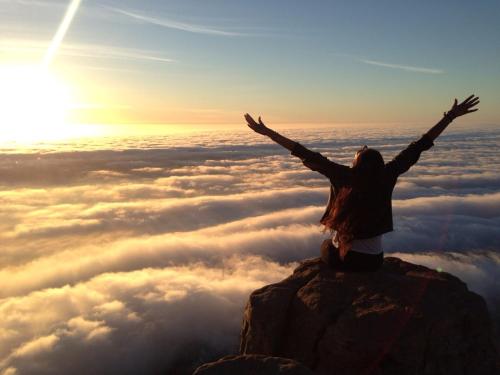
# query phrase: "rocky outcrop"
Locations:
[[253, 365], [402, 319]]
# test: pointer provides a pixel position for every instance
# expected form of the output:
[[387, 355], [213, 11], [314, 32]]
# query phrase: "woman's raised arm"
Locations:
[[409, 156], [337, 173], [261, 128], [456, 110]]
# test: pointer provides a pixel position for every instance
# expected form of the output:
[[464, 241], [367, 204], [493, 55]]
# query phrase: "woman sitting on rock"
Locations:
[[359, 210]]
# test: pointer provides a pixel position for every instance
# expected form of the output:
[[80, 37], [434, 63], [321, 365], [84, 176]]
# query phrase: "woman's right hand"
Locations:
[[258, 127]]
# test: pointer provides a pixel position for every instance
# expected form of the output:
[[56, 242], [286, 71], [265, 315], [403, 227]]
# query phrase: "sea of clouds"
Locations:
[[137, 255]]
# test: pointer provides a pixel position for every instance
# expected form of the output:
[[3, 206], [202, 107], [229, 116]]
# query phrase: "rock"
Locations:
[[253, 365], [402, 319]]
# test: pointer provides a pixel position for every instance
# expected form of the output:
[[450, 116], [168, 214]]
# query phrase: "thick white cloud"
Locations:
[[137, 256], [141, 321]]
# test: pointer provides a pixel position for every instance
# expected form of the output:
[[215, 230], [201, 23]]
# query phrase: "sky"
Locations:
[[184, 62]]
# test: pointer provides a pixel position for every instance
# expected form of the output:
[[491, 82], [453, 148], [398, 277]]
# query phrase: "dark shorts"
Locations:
[[353, 261]]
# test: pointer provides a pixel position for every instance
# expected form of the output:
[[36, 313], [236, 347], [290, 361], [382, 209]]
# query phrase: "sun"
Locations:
[[34, 104]]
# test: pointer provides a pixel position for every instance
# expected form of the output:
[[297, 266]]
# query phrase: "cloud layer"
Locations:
[[144, 321], [137, 255]]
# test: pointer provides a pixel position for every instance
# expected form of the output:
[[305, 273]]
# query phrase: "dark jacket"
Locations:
[[377, 219]]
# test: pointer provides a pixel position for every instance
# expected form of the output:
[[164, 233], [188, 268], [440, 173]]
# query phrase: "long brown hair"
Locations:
[[355, 202]]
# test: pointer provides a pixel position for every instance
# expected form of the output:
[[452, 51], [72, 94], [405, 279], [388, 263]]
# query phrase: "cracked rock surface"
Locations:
[[402, 319], [253, 365]]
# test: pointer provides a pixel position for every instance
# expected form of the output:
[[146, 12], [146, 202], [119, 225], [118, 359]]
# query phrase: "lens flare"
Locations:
[[61, 32]]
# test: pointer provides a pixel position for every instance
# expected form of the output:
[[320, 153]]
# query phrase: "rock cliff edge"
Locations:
[[402, 319]]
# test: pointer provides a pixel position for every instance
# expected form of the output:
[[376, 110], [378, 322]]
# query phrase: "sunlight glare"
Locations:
[[34, 104]]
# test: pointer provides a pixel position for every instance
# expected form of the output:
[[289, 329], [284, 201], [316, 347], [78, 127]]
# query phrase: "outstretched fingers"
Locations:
[[471, 100], [250, 119], [468, 99], [472, 103], [472, 110], [258, 127], [466, 106]]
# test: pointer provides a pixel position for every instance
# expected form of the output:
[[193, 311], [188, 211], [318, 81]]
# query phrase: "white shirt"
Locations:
[[372, 245]]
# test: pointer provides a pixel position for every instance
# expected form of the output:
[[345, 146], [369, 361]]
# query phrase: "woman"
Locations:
[[359, 210]]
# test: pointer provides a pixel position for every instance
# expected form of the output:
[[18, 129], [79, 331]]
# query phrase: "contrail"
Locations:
[[61, 32], [172, 24], [403, 67]]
